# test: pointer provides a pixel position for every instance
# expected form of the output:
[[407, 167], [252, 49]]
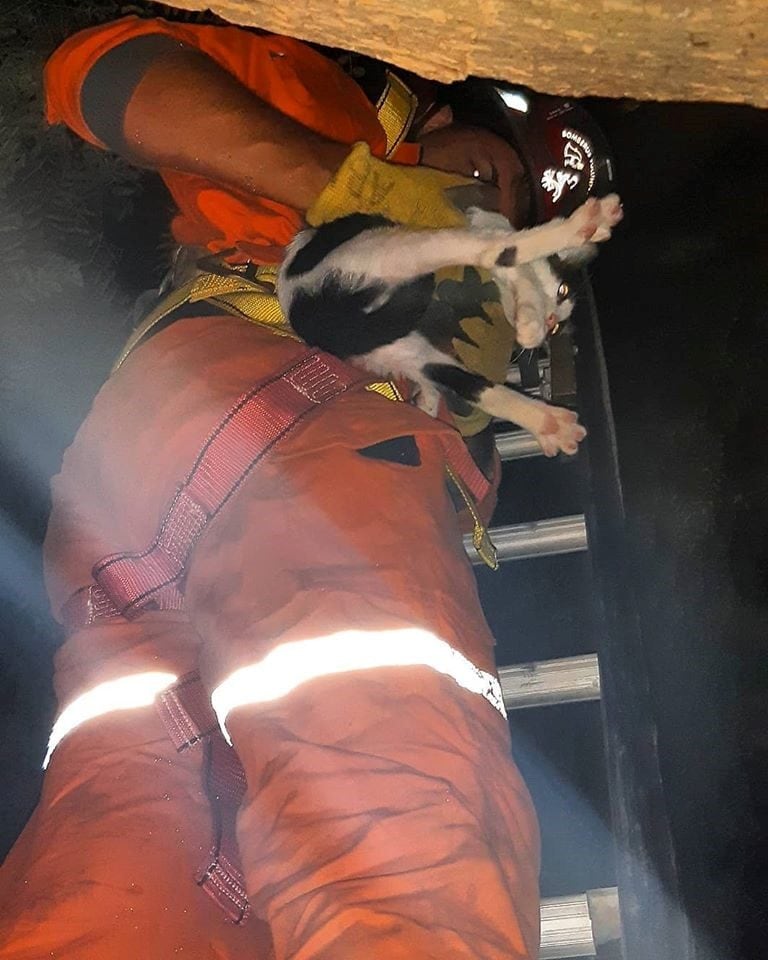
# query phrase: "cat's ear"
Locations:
[[578, 256]]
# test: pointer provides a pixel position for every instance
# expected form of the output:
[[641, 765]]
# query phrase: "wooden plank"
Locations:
[[618, 48]]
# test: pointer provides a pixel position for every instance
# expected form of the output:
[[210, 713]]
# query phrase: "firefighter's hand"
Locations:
[[478, 153], [415, 196]]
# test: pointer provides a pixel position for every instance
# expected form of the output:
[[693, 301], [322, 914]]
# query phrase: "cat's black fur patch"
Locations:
[[571, 268], [468, 386], [507, 258], [457, 405], [330, 236], [335, 317]]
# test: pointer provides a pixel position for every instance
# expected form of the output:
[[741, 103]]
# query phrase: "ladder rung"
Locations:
[[576, 925], [546, 682], [516, 445], [541, 538]]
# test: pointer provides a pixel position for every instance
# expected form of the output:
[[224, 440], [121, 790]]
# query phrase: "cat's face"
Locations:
[[543, 293], [537, 297]]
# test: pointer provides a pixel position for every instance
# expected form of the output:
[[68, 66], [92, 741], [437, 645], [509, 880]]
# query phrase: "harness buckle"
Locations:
[[316, 380]]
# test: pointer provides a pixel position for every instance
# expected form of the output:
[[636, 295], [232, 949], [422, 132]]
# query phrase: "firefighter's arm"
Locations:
[[189, 114], [164, 104]]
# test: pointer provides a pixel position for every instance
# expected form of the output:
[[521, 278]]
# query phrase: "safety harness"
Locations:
[[125, 585]]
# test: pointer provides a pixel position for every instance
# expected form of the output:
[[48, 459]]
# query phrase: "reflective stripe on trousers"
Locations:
[[289, 665], [125, 693], [284, 669]]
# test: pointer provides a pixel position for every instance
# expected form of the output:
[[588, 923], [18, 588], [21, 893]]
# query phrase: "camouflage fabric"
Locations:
[[466, 304]]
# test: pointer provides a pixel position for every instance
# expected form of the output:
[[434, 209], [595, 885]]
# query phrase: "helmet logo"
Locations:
[[572, 156], [576, 151], [555, 181], [577, 156]]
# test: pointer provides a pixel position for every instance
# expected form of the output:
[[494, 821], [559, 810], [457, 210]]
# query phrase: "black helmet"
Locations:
[[564, 151]]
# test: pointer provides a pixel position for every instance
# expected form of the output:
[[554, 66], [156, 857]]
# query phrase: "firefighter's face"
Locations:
[[478, 153]]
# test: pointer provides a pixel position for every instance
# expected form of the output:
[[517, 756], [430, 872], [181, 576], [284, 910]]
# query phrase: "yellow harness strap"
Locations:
[[252, 299], [395, 110]]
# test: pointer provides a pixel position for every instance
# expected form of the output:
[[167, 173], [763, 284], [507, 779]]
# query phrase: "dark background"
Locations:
[[682, 302], [681, 293]]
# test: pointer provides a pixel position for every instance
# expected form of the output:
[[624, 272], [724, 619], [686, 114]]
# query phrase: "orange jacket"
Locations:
[[283, 72]]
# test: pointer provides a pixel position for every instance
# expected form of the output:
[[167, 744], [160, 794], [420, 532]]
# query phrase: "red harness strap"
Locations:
[[127, 584], [189, 719], [460, 459]]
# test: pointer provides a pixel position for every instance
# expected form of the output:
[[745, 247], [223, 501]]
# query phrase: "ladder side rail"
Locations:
[[653, 918]]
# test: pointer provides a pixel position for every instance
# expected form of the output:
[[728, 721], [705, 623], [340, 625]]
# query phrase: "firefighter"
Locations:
[[251, 545]]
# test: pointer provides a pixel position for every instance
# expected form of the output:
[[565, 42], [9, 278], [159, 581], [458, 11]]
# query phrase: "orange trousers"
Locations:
[[384, 817]]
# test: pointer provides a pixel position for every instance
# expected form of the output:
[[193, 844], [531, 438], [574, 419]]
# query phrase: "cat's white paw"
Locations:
[[593, 221], [558, 430]]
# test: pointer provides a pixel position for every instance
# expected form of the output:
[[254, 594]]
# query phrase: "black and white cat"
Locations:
[[361, 287]]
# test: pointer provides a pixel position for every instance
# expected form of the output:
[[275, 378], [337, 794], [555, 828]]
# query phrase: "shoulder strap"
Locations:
[[395, 109], [252, 298]]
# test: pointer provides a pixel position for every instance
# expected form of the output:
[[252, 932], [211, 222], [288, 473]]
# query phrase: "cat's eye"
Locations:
[[562, 292]]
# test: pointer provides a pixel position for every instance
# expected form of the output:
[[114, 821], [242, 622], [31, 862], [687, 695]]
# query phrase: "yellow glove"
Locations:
[[466, 300], [414, 196]]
